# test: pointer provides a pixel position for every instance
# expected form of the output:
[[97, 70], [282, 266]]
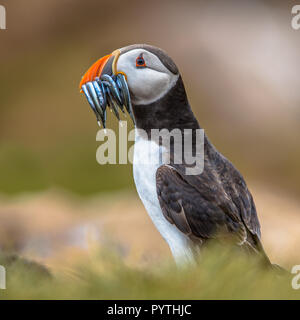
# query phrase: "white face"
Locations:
[[148, 83]]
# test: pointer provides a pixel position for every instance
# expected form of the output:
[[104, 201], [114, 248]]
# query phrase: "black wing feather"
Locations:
[[201, 206], [184, 206]]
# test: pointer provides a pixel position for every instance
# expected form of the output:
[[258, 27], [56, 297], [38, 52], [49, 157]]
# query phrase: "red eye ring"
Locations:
[[140, 62]]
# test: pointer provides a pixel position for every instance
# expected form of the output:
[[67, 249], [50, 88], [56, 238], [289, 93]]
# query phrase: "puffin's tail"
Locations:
[[273, 266], [258, 249], [279, 270]]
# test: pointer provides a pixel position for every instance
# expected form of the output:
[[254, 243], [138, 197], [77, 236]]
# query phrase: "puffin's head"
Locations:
[[148, 71]]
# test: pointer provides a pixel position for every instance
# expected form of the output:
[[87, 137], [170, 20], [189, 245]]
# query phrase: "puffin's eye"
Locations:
[[140, 62]]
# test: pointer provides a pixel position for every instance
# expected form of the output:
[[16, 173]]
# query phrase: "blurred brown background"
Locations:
[[240, 64]]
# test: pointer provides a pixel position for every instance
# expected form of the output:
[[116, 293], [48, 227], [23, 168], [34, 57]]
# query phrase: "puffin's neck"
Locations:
[[170, 112]]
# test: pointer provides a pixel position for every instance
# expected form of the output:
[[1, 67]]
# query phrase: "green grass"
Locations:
[[221, 274]]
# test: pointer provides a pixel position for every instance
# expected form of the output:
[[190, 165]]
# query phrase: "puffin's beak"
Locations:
[[103, 86], [105, 65], [94, 71]]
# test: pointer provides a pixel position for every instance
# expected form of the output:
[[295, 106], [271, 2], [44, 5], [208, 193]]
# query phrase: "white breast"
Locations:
[[145, 165]]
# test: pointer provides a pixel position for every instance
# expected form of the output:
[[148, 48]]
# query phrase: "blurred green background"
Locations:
[[239, 61]]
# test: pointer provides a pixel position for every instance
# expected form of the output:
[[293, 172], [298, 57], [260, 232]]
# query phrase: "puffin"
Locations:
[[188, 210]]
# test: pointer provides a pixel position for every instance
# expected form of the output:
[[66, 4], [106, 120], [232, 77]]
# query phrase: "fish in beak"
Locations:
[[104, 87]]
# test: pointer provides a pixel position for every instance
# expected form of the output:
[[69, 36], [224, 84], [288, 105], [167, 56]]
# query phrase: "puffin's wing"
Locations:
[[243, 200], [191, 210]]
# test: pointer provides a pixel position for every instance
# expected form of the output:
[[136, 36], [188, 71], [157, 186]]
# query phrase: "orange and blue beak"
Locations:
[[94, 71], [103, 86]]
